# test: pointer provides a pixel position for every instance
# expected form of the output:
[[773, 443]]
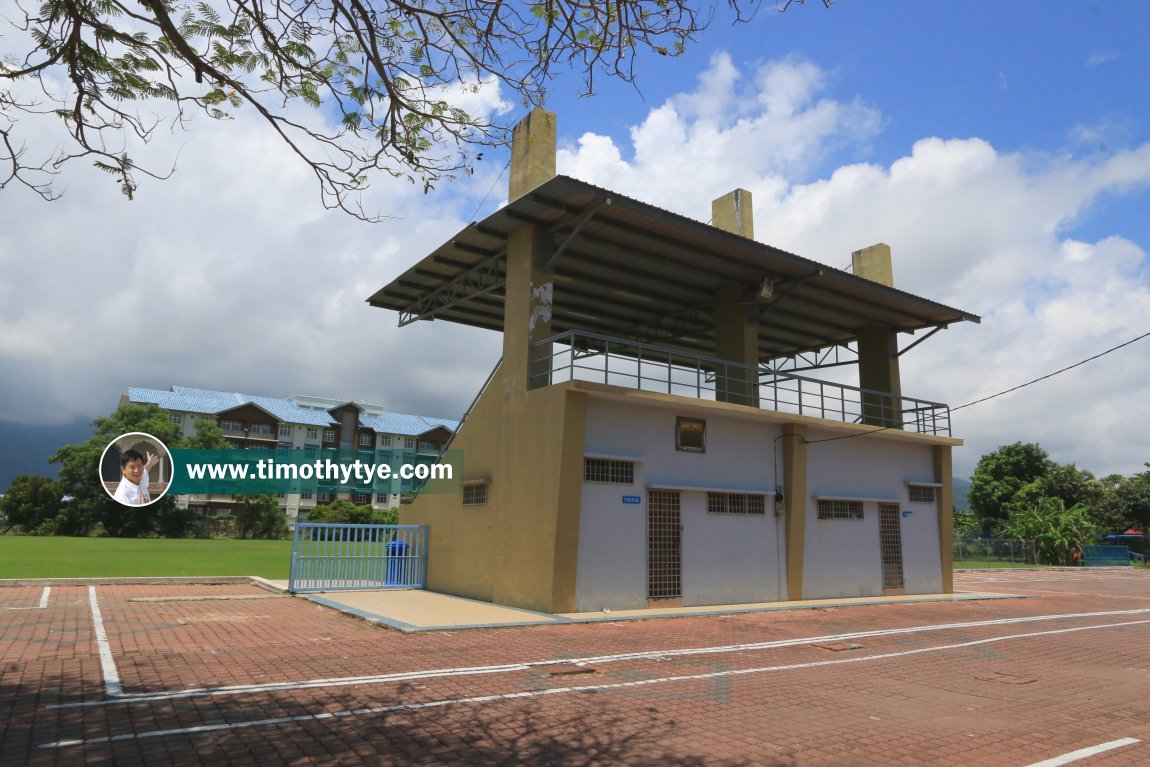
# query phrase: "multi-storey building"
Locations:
[[302, 422]]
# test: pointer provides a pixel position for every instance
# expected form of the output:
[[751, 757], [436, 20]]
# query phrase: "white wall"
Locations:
[[842, 556], [730, 558], [727, 559]]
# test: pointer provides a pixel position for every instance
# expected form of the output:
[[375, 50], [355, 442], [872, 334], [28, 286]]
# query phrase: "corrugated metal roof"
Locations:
[[211, 402], [631, 269]]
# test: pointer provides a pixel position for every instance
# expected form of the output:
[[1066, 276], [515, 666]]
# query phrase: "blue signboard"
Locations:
[[632, 499], [906, 514]]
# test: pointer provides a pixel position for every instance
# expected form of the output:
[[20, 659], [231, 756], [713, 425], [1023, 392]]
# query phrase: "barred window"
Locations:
[[475, 494], [313, 433], [736, 503], [832, 509], [176, 417], [381, 497], [920, 494], [285, 430], [305, 495], [608, 470], [261, 428], [230, 424], [366, 439], [361, 498], [329, 435], [385, 440]]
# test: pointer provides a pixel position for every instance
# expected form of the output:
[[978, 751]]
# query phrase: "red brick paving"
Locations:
[[948, 702]]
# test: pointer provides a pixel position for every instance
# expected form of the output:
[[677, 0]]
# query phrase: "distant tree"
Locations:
[[29, 503], [90, 503], [345, 512], [259, 516], [208, 436], [1126, 503], [966, 524], [392, 75], [999, 476], [1056, 532]]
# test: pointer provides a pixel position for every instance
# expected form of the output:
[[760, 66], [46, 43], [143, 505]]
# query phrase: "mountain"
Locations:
[[961, 488]]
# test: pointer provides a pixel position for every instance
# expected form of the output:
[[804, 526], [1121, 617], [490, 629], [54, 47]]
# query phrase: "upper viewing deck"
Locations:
[[575, 356]]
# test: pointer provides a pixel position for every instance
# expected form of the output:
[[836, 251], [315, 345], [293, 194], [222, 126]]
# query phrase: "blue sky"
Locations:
[[1001, 149]]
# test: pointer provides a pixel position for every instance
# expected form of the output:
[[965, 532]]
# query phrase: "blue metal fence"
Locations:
[[335, 557], [1106, 556]]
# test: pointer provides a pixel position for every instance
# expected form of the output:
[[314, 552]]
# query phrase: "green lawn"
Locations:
[[62, 557]]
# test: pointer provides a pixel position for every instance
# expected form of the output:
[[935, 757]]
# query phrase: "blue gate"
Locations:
[[334, 557]]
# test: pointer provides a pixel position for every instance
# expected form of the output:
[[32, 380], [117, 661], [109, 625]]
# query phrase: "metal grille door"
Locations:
[[664, 545], [890, 539]]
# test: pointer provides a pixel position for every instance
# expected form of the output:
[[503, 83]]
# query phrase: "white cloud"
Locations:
[[1097, 59], [765, 128], [228, 275]]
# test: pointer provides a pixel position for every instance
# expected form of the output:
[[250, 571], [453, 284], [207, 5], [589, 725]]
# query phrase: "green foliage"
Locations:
[[966, 524], [1057, 533], [1001, 474], [1125, 503], [344, 512], [208, 436], [29, 503], [259, 516]]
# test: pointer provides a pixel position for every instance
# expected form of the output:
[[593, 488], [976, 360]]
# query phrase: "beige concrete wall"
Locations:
[[521, 548], [944, 475]]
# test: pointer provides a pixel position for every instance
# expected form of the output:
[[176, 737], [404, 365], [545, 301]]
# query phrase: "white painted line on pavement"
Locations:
[[43, 601], [1082, 753], [112, 684], [562, 690], [403, 676]]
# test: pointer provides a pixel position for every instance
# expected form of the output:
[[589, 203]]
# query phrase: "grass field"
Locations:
[[62, 557]]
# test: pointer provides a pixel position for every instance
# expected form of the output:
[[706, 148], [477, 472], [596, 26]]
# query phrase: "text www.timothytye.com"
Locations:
[[323, 470]]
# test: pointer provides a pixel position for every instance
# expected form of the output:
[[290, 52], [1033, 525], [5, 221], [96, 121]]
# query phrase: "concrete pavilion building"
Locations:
[[301, 422], [655, 433]]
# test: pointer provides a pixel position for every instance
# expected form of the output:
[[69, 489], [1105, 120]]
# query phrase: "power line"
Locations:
[[1051, 375]]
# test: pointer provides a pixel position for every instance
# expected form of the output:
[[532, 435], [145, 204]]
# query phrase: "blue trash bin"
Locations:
[[396, 572]]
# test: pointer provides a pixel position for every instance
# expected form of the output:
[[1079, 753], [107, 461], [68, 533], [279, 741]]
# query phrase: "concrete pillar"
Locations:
[[878, 346], [530, 289], [795, 504], [532, 152], [732, 213], [736, 326], [944, 475]]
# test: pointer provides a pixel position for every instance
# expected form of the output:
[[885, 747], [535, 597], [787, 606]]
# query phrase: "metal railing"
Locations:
[[577, 355], [339, 557]]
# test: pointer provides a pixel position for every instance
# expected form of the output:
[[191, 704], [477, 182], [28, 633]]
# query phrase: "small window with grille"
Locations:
[[736, 503], [609, 470], [836, 509], [920, 494], [475, 494]]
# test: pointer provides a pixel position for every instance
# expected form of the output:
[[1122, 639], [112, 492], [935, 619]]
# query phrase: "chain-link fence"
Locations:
[[993, 552]]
